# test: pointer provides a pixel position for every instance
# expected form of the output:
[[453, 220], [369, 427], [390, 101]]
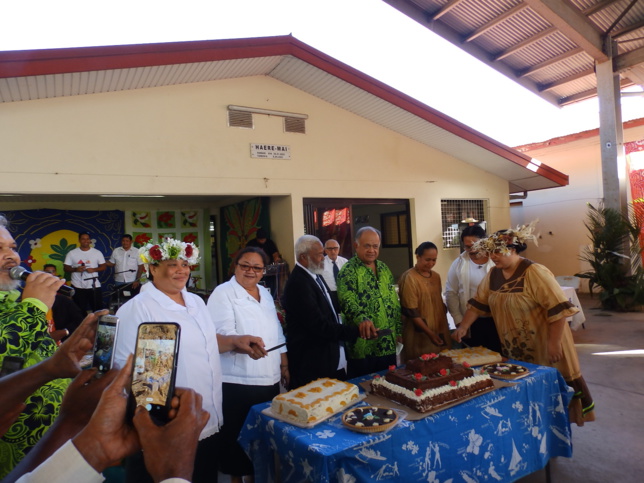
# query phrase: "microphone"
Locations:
[[21, 273]]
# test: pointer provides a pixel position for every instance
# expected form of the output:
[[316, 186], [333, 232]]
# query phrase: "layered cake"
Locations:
[[429, 382], [474, 356], [315, 401], [369, 419]]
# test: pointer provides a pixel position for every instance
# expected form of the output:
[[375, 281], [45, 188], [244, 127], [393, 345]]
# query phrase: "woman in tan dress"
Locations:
[[529, 310], [425, 328]]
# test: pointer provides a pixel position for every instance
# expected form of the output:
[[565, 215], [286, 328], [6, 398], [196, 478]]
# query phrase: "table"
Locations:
[[499, 436], [579, 318]]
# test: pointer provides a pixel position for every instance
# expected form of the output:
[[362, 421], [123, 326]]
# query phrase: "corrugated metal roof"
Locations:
[[33, 75], [568, 36]]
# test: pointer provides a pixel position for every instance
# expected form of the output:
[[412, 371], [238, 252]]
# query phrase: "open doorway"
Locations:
[[342, 218]]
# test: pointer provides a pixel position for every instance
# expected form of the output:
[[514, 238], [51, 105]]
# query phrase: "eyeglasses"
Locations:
[[331, 248], [247, 268]]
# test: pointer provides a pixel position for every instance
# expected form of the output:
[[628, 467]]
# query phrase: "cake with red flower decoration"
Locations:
[[429, 382]]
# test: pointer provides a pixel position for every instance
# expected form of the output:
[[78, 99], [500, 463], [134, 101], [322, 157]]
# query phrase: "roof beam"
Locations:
[[527, 42], [625, 61], [549, 62], [498, 20], [598, 7], [416, 13], [568, 79], [627, 30], [446, 8], [572, 24]]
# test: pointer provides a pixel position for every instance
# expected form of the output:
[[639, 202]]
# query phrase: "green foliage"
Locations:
[[619, 277], [61, 250]]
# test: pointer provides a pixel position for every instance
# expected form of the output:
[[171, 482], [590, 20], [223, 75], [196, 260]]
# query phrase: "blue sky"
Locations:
[[368, 35]]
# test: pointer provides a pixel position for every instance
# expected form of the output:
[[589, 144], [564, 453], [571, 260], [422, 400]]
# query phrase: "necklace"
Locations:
[[421, 273]]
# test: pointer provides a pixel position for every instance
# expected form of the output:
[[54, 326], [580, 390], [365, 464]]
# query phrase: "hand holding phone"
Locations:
[[155, 364], [103, 353]]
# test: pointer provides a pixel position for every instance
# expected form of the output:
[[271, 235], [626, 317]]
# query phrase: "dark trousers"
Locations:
[[370, 364], [91, 298], [483, 333]]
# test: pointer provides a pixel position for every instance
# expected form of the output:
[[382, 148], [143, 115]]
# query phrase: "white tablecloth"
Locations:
[[579, 318]]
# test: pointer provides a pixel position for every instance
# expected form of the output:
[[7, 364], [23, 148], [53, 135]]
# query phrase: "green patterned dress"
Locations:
[[23, 332], [364, 296]]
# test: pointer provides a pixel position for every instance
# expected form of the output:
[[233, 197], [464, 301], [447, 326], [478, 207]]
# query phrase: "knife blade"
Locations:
[[276, 347]]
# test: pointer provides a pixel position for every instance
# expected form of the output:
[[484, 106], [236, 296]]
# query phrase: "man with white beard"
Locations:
[[314, 332]]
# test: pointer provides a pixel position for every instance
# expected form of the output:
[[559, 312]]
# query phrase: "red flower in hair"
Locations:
[[155, 253], [188, 251]]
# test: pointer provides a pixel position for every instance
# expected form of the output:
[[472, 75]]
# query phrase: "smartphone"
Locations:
[[11, 364], [155, 367], [103, 355]]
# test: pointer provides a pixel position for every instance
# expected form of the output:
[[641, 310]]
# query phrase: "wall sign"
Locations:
[[270, 151]]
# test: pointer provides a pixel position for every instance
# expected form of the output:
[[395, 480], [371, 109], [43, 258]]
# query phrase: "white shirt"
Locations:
[[199, 367], [235, 312], [328, 271], [91, 258], [68, 465], [463, 279], [126, 264]]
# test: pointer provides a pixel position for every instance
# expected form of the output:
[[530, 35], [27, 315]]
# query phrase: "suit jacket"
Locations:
[[313, 334]]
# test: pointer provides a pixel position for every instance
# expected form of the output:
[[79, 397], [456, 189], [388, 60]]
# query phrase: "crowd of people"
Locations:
[[344, 319]]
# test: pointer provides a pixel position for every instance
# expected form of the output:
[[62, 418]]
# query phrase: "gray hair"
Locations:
[[304, 244], [4, 223], [365, 229]]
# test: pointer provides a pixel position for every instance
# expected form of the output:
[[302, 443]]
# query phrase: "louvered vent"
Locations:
[[292, 124], [240, 119]]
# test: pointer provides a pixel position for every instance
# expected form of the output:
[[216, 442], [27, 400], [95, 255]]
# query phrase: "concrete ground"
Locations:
[[611, 354]]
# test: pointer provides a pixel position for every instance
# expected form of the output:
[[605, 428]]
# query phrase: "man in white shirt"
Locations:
[[85, 263], [332, 264], [128, 267]]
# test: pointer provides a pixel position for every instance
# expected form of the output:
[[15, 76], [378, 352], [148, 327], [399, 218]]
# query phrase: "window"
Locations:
[[456, 215], [394, 229]]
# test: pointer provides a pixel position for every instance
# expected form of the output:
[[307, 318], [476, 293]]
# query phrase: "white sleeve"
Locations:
[[220, 308], [130, 316], [65, 465], [451, 292]]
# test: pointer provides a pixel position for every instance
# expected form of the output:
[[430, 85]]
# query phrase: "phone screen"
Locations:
[[11, 364], [104, 347], [155, 362]]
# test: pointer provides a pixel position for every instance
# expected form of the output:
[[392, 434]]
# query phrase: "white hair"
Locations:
[[304, 244], [365, 229]]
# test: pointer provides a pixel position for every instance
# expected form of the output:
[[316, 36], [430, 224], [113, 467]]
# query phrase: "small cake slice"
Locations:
[[474, 356]]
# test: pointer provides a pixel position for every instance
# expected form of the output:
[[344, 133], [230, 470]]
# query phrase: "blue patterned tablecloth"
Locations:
[[499, 436]]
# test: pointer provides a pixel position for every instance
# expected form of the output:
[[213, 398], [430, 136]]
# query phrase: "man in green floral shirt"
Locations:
[[23, 333], [366, 292]]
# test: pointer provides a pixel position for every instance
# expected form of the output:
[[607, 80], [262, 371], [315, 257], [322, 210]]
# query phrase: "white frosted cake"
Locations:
[[474, 356], [315, 401]]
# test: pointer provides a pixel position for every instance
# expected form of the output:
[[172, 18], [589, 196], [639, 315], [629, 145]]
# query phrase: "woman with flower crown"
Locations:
[[529, 310], [199, 367]]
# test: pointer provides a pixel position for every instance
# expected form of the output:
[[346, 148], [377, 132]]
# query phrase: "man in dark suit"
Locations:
[[314, 332]]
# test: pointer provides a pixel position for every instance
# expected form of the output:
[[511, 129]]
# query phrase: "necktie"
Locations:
[[336, 270]]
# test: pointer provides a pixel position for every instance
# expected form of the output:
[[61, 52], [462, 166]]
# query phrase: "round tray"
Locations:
[[373, 418], [505, 370]]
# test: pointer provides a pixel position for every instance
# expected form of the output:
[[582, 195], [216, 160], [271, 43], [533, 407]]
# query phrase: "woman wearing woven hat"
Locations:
[[529, 310], [199, 367]]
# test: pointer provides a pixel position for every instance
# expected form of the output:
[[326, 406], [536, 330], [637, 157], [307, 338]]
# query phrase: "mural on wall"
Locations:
[[155, 225], [239, 224], [46, 236]]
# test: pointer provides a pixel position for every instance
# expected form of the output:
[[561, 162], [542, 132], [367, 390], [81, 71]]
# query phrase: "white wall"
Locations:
[[175, 141]]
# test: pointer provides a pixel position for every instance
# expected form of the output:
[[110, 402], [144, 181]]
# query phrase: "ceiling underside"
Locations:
[[548, 46], [61, 73]]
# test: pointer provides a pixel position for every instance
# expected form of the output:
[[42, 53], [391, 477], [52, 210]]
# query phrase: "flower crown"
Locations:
[[504, 241], [169, 249]]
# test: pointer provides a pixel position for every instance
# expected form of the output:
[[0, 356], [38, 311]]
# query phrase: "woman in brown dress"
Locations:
[[425, 327], [529, 310]]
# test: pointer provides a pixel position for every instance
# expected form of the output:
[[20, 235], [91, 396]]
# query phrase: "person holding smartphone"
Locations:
[[198, 364]]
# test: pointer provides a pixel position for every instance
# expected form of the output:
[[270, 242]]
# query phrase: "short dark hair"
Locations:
[[49, 265], [261, 233], [83, 233], [126, 235], [474, 230], [425, 246], [257, 250]]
